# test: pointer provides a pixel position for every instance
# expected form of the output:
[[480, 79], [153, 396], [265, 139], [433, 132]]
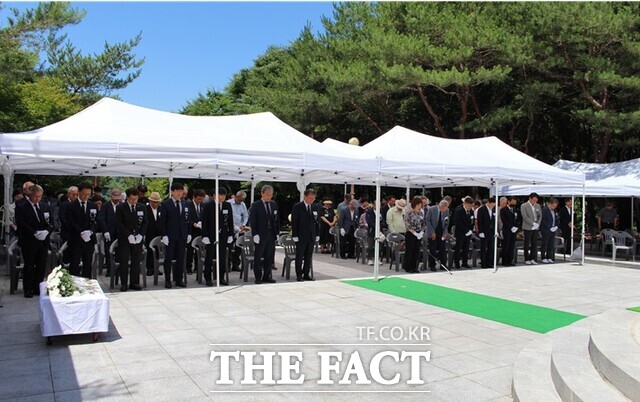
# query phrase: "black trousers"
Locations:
[[531, 245], [461, 250], [304, 254], [486, 251], [264, 253], [129, 268], [547, 250], [150, 266], [411, 252], [210, 255], [566, 235], [81, 251], [191, 255], [236, 253], [508, 244], [107, 254], [175, 251], [437, 249], [35, 262], [607, 225], [347, 244]]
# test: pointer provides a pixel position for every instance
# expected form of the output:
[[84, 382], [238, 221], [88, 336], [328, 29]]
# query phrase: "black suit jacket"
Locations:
[[78, 221], [564, 216], [508, 218], [209, 226], [173, 225], [196, 217], [304, 225], [130, 223], [485, 221], [152, 224], [463, 221], [28, 224], [107, 219], [261, 224]]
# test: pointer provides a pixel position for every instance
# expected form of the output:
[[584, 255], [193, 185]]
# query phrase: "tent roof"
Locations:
[[618, 179], [115, 138]]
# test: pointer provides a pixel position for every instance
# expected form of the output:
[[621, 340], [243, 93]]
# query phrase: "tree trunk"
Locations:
[[366, 116], [432, 113], [463, 96]]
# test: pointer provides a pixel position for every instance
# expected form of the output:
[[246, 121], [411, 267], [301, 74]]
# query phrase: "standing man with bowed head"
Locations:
[[131, 223], [304, 229], [81, 217], [531, 219], [211, 225], [174, 225], [265, 227]]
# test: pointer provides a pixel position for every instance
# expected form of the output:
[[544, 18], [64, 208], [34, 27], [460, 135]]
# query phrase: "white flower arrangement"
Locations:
[[60, 283]]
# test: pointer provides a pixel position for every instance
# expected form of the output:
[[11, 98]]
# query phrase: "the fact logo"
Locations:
[[359, 364]]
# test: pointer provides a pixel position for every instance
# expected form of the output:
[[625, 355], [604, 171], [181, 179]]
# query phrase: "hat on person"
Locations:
[[327, 202], [155, 197], [401, 203]]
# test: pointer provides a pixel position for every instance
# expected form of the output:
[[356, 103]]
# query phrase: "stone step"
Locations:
[[532, 373], [614, 350], [572, 371]]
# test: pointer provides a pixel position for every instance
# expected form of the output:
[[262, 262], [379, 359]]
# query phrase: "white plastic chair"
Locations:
[[623, 241]]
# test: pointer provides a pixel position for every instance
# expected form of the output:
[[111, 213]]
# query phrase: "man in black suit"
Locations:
[[34, 226], [548, 229], [265, 227], [508, 216], [81, 217], [486, 227], [304, 229], [174, 226], [107, 224], [463, 221], [348, 219], [68, 199], [209, 228], [142, 194], [132, 224], [564, 215], [196, 207], [153, 214]]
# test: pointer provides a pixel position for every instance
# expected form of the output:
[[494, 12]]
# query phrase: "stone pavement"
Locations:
[[160, 340]]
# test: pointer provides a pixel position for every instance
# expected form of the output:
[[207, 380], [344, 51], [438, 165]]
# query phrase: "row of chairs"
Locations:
[[618, 241]]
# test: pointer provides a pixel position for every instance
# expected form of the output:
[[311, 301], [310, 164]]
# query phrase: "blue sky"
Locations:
[[189, 46]]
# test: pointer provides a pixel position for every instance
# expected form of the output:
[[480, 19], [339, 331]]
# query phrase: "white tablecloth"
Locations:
[[85, 313]]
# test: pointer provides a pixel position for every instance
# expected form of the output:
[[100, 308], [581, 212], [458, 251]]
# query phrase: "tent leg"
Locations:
[[217, 246], [376, 243], [632, 213], [495, 230], [8, 190], [253, 189], [584, 209], [408, 194], [572, 222]]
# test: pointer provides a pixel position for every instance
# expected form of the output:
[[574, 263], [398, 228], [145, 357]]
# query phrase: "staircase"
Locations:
[[596, 359]]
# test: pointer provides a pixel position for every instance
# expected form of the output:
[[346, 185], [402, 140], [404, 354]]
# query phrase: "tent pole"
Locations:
[[253, 187], [584, 208], [345, 189], [632, 213], [217, 245], [495, 230], [8, 190], [572, 225], [376, 243], [408, 194], [170, 179]]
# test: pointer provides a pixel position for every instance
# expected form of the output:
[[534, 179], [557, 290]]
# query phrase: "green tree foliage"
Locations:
[[552, 79]]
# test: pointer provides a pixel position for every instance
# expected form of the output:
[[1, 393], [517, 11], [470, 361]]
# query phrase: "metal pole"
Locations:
[[408, 194], [8, 190], [376, 246], [253, 187], [584, 208], [217, 241], [632, 213], [495, 230], [572, 223]]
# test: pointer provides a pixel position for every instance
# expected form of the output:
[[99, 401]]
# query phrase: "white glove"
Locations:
[[131, 239], [165, 240], [107, 236], [381, 238], [419, 235], [41, 234], [481, 235], [236, 228], [86, 235], [469, 233], [230, 239], [295, 239], [535, 226], [138, 238], [205, 240], [188, 238], [553, 229], [198, 225], [342, 232], [317, 238], [256, 239], [514, 229]]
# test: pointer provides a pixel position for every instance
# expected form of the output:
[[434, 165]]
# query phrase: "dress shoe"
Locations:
[[209, 283], [344, 258], [28, 294], [258, 282], [299, 279], [308, 278], [159, 274], [269, 280], [433, 269], [135, 287], [466, 266], [274, 268], [123, 288], [107, 274], [149, 273], [224, 283], [181, 284], [167, 284]]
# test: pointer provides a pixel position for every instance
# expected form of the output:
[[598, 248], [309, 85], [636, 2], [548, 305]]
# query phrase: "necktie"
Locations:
[[178, 207], [37, 211], [268, 208], [132, 210], [84, 209], [309, 210]]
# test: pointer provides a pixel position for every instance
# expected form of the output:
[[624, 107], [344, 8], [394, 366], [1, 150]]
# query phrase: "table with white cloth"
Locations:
[[85, 313]]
